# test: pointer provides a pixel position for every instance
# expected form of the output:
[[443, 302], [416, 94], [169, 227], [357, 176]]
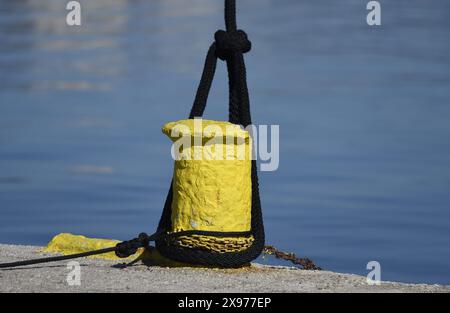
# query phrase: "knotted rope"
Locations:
[[229, 45]]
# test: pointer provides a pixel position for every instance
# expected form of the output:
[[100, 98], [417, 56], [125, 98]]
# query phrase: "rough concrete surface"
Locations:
[[106, 276]]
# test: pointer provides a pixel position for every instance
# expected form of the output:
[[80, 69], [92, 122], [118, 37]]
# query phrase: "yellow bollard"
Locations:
[[211, 183]]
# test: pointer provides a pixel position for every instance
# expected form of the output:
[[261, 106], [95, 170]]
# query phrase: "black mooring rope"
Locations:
[[229, 46]]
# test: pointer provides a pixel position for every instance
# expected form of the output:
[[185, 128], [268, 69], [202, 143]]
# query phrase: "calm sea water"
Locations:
[[363, 112]]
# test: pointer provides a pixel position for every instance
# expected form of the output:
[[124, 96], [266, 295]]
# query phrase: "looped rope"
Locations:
[[229, 45], [229, 42]]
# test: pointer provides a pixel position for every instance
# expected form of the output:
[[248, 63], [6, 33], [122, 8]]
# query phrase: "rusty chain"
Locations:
[[304, 263]]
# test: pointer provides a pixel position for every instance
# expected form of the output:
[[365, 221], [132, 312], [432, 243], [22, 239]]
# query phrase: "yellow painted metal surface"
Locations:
[[212, 176], [66, 243]]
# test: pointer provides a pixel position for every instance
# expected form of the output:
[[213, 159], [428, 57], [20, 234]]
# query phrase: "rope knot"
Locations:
[[126, 248], [229, 42]]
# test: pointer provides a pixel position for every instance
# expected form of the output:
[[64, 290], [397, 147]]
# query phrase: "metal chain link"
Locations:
[[221, 245], [304, 263]]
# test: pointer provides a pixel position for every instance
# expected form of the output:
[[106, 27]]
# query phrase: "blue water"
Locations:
[[363, 112]]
